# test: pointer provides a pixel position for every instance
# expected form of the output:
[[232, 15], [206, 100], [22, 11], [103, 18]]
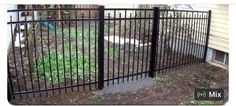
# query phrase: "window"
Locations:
[[227, 59], [220, 57]]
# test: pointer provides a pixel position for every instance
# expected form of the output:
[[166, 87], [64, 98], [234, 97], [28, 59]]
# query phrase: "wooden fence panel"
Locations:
[[86, 12]]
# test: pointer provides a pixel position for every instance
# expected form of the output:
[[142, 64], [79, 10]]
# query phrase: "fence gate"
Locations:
[[70, 52]]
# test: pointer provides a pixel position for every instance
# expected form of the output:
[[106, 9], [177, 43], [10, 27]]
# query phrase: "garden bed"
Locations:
[[181, 82], [64, 65]]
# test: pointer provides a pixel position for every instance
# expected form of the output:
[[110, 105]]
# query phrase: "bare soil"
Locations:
[[177, 89]]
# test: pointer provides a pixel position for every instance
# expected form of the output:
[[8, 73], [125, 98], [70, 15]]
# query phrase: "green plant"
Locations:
[[81, 32], [105, 26], [135, 51], [110, 52], [201, 83], [162, 79], [67, 66], [57, 66], [201, 102], [157, 79]]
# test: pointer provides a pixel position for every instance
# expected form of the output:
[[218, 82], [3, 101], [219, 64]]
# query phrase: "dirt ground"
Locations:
[[170, 87]]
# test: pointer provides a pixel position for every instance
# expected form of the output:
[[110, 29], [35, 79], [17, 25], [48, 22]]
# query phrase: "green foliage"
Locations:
[[105, 26], [60, 67], [73, 63], [162, 79], [201, 102], [80, 32], [157, 79], [110, 52], [135, 51]]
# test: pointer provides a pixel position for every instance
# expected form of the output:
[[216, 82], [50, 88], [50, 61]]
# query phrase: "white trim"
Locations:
[[224, 58], [219, 65]]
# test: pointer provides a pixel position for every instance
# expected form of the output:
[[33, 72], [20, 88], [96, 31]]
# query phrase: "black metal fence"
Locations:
[[182, 38], [63, 53]]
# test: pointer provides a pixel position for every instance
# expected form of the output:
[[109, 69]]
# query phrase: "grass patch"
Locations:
[[162, 80], [201, 102]]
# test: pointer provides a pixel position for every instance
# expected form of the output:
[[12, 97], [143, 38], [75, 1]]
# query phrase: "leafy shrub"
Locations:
[[65, 67]]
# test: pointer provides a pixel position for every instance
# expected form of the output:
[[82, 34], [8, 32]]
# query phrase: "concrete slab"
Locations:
[[126, 86]]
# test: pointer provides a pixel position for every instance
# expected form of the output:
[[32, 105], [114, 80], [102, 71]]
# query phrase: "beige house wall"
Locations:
[[219, 25]]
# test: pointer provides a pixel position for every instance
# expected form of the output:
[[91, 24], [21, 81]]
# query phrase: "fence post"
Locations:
[[155, 33], [208, 34], [101, 48]]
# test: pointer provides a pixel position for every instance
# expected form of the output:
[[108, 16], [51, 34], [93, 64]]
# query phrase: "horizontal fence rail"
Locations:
[[60, 50]]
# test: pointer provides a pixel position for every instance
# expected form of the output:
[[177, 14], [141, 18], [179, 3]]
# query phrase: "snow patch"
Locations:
[[19, 39], [116, 39]]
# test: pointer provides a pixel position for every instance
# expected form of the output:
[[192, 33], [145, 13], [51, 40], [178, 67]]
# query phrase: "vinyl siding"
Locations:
[[219, 26]]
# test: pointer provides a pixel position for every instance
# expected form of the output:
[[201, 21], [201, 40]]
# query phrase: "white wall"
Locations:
[[14, 18]]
